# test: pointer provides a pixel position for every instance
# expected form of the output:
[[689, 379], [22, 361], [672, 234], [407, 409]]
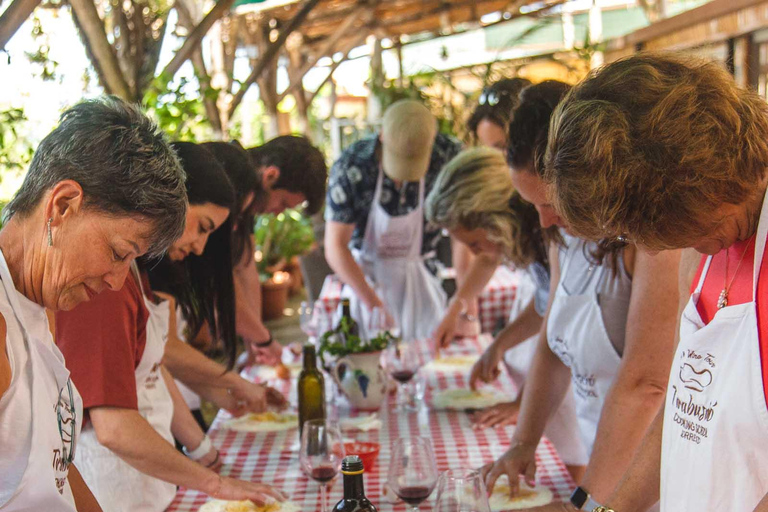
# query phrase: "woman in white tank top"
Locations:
[[73, 229]]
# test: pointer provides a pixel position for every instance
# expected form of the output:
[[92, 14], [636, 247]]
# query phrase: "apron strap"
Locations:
[[703, 275], [760, 240]]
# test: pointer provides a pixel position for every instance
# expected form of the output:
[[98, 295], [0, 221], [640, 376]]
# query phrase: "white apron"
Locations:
[[117, 485], [560, 428], [577, 335], [40, 413], [715, 417], [390, 257]]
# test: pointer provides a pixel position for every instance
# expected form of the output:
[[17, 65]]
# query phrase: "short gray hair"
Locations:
[[122, 161]]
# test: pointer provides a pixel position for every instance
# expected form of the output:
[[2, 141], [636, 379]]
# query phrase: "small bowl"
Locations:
[[368, 452]]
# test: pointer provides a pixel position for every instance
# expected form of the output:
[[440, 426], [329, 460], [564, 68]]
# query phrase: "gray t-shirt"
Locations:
[[613, 288]]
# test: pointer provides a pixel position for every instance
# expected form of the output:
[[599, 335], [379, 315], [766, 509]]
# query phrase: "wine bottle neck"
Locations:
[[353, 487]]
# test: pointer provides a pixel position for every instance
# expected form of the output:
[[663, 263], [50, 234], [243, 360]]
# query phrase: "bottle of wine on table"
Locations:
[[354, 499], [347, 325], [311, 389]]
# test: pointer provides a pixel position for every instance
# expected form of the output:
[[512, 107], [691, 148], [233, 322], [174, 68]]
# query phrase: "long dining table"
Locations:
[[273, 457]]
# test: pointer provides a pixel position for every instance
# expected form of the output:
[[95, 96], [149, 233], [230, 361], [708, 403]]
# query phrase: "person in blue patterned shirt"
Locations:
[[377, 239]]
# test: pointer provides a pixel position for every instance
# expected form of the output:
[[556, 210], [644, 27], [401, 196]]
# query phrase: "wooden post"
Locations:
[[377, 83], [400, 72], [14, 17]]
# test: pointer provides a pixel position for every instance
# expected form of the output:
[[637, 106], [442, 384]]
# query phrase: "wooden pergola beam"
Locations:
[[295, 78], [195, 37], [14, 16], [350, 46], [92, 29], [271, 52]]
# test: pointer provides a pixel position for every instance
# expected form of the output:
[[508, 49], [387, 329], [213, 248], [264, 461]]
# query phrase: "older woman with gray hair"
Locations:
[[103, 188]]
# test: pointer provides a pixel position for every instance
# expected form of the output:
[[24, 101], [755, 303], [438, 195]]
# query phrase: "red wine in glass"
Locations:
[[403, 376], [323, 474], [415, 495]]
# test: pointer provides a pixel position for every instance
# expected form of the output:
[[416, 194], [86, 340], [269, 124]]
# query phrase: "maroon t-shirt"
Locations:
[[103, 341]]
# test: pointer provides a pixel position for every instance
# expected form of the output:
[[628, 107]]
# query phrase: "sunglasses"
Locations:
[[491, 97]]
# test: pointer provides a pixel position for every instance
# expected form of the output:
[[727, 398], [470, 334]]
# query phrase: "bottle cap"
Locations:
[[352, 465], [309, 350]]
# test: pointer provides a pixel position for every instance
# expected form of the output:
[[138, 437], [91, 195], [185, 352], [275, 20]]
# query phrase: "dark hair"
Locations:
[[528, 135], [302, 167], [529, 125], [506, 92], [121, 160], [203, 285], [238, 166]]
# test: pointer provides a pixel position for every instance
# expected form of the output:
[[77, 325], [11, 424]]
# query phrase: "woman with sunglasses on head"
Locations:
[[488, 127], [116, 344], [608, 335], [475, 201], [682, 162], [202, 287], [103, 188]]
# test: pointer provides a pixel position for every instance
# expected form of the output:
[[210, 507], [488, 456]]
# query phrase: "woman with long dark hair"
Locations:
[[201, 284]]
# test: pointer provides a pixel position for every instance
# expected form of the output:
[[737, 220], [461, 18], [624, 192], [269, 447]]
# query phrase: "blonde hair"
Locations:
[[475, 191], [647, 146]]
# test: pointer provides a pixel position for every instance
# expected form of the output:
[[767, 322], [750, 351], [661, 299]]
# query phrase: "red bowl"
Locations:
[[368, 452]]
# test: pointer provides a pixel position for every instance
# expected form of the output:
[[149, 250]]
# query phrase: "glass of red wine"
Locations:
[[402, 361], [461, 490], [322, 450], [413, 470]]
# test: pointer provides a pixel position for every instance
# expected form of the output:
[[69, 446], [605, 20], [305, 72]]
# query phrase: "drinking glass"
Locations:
[[402, 362], [461, 490], [412, 471], [380, 321], [309, 322], [322, 450]]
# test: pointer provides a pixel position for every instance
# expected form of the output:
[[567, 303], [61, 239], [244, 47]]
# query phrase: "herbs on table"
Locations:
[[341, 342]]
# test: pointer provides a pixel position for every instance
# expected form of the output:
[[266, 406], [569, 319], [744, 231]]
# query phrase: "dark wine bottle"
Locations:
[[347, 325], [311, 389], [354, 499]]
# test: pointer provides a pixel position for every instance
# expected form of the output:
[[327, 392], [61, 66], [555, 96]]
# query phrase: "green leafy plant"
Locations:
[[15, 151], [178, 111], [341, 342], [281, 237]]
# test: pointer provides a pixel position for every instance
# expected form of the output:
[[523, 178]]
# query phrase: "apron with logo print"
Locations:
[[715, 418], [55, 405]]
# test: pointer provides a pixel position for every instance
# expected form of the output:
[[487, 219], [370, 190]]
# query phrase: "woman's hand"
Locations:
[[230, 489], [249, 397], [498, 415], [486, 369], [212, 460], [520, 459], [445, 332], [269, 355]]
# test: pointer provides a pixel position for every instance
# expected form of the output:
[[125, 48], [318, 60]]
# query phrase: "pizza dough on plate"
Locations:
[[263, 422], [452, 363], [248, 506], [528, 497], [467, 399]]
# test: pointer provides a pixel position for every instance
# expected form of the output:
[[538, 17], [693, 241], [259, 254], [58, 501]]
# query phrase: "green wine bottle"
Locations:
[[354, 499], [311, 389]]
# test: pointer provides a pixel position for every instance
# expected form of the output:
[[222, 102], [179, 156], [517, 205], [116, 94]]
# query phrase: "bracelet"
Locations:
[[265, 344], [464, 308], [201, 451]]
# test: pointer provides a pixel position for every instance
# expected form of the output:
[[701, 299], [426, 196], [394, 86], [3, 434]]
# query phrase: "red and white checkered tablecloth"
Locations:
[[494, 304], [273, 457]]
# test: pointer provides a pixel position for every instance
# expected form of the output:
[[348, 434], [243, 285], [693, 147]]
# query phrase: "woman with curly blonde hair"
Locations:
[[681, 163], [606, 338]]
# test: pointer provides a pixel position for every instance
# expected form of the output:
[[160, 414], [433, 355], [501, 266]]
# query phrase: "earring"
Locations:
[[50, 235]]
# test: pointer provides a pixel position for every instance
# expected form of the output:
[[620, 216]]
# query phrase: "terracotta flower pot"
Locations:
[[274, 295]]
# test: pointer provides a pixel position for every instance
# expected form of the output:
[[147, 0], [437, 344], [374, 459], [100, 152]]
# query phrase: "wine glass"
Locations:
[[412, 471], [322, 451], [461, 490], [309, 322], [402, 361], [381, 320]]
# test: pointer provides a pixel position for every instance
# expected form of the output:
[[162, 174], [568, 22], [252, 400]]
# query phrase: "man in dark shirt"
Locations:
[[407, 154]]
